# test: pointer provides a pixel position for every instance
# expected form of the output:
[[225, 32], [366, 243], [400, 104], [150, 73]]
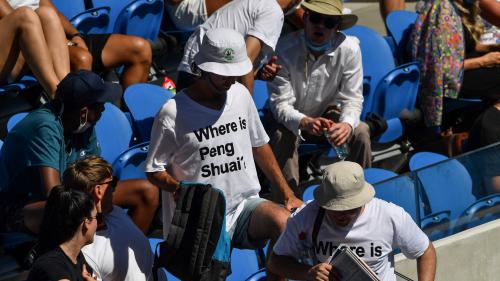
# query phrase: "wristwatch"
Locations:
[[71, 36]]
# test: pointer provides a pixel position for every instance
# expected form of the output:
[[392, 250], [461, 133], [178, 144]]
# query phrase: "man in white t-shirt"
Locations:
[[211, 133], [348, 214], [120, 250], [259, 21]]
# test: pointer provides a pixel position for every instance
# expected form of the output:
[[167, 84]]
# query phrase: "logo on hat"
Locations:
[[228, 54]]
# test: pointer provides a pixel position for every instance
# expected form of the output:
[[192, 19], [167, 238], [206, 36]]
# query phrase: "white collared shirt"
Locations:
[[306, 86]]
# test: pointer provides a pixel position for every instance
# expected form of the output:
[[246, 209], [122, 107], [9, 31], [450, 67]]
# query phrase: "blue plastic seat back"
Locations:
[[397, 91], [113, 132], [244, 263], [377, 60], [1, 144], [399, 25], [309, 193], [144, 101], [375, 175], [14, 119], [400, 191], [70, 8], [130, 164], [141, 18], [447, 184], [258, 276], [423, 159], [92, 21], [116, 7], [260, 95], [483, 210]]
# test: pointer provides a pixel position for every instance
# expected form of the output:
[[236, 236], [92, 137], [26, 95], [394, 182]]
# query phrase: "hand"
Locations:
[[315, 126], [86, 275], [269, 70], [338, 133], [490, 59], [293, 202], [319, 272]]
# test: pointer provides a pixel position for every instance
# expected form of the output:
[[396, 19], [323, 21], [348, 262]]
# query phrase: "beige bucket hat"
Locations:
[[343, 187], [331, 8]]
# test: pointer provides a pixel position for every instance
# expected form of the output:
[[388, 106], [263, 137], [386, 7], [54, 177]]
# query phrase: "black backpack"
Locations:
[[198, 246]]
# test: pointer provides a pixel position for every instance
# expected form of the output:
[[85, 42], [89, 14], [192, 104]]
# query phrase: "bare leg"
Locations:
[[387, 6], [131, 51], [21, 32], [141, 198], [268, 221], [80, 58], [56, 40], [33, 215]]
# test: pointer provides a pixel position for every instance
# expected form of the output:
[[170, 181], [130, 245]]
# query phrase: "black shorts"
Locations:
[[11, 212], [96, 43]]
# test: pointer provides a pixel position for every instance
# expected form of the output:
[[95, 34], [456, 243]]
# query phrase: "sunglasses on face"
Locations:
[[328, 22], [112, 183]]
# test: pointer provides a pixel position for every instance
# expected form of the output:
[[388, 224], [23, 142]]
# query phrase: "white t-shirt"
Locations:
[[33, 4], [198, 144], [121, 251], [381, 228], [262, 19]]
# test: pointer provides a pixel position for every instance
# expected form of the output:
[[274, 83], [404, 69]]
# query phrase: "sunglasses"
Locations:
[[328, 22], [112, 183]]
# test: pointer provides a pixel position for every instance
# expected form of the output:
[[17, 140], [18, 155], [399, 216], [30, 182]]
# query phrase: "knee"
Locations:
[[141, 50], [80, 59], [150, 196], [48, 14], [362, 134], [279, 218], [26, 17]]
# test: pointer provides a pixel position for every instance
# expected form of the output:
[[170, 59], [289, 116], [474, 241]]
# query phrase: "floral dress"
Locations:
[[437, 43]]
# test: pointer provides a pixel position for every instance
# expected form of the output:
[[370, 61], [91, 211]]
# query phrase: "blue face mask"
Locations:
[[313, 47]]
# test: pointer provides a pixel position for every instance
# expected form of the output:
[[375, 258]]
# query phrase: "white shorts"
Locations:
[[33, 4]]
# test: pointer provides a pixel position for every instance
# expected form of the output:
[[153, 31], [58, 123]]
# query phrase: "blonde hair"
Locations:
[[469, 13], [86, 173]]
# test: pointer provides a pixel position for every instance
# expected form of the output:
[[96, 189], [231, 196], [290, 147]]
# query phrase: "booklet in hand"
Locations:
[[350, 267]]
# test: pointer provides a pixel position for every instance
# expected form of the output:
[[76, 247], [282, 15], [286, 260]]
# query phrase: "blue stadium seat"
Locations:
[[424, 159], [243, 264], [144, 101], [14, 119], [377, 61], [399, 25], [400, 191], [84, 19], [116, 7], [1, 143], [258, 276], [483, 210], [309, 193], [260, 95], [114, 132], [129, 165], [376, 175], [387, 89], [141, 18]]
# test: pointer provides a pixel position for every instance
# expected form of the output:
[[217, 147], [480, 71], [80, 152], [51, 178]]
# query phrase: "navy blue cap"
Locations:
[[84, 88]]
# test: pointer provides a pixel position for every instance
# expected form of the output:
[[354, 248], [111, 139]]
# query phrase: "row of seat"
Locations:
[[134, 17], [438, 194]]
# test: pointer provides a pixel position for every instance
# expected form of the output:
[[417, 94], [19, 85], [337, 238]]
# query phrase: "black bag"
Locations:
[[198, 246]]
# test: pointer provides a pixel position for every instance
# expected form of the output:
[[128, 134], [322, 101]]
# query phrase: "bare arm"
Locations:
[[291, 268], [490, 10], [266, 161], [490, 59], [163, 180], [49, 178], [254, 46], [426, 264]]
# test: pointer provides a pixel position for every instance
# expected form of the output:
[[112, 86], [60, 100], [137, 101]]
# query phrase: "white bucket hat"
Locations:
[[223, 52], [343, 187]]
